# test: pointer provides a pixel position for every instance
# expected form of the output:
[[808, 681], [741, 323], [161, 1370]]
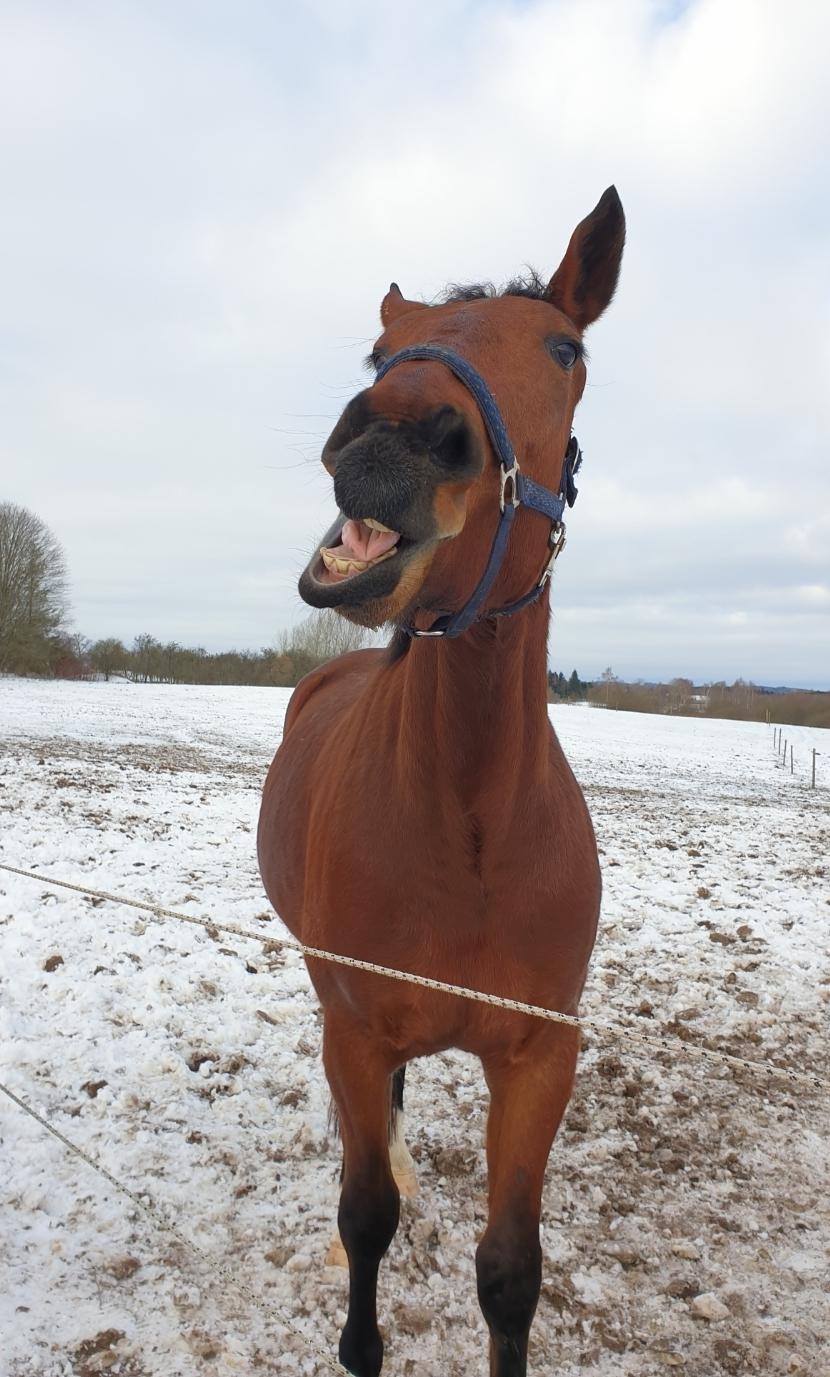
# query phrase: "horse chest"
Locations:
[[366, 856], [423, 865]]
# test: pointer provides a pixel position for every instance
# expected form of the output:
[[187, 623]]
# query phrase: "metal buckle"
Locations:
[[510, 475], [557, 545]]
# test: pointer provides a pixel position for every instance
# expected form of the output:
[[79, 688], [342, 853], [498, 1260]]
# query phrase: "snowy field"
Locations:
[[188, 1065]]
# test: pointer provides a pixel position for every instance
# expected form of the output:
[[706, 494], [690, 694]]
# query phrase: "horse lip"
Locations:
[[316, 567], [334, 532]]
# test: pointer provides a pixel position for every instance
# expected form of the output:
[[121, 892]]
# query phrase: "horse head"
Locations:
[[416, 474]]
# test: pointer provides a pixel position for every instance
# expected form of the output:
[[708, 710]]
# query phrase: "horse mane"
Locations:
[[398, 646], [528, 284]]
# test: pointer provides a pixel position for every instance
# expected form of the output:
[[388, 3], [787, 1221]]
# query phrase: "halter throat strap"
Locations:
[[516, 490]]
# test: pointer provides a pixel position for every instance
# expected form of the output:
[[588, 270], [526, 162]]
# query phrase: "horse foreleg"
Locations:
[[528, 1096], [400, 1160], [359, 1077], [403, 1167]]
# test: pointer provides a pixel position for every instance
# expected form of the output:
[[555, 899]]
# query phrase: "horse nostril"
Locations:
[[452, 444], [352, 423]]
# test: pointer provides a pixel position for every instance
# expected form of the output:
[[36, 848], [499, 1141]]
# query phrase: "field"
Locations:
[[188, 1065]]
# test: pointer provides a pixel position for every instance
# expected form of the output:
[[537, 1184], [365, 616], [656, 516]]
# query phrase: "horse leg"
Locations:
[[528, 1096], [403, 1167], [359, 1076], [400, 1160]]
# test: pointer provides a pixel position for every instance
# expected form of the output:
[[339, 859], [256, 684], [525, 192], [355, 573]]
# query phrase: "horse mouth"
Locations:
[[358, 563], [361, 545]]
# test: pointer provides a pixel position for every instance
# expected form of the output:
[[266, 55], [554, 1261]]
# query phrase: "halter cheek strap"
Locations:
[[516, 491]]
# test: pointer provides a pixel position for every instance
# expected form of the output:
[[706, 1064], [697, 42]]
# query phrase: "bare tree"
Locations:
[[145, 656], [609, 679], [679, 693], [108, 656], [33, 594], [323, 635]]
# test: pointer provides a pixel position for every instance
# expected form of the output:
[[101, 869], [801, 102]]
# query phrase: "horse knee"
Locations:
[[509, 1273]]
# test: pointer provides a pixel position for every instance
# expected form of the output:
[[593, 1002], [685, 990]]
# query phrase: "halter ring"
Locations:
[[510, 475]]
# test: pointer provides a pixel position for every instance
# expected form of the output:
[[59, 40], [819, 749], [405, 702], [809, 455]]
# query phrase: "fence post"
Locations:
[[815, 753], [791, 760]]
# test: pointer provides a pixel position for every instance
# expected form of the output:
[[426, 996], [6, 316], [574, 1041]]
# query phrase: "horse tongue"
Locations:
[[360, 542]]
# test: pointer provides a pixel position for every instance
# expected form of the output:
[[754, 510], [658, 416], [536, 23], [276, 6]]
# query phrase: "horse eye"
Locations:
[[374, 360], [567, 354]]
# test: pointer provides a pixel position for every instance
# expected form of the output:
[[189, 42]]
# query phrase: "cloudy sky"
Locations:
[[204, 203]]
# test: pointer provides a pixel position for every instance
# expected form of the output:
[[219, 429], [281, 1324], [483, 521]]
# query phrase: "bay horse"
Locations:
[[420, 812]]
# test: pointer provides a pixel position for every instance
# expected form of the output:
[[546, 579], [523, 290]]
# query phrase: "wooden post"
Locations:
[[791, 760], [815, 753]]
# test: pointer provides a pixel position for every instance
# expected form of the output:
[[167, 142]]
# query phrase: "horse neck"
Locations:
[[477, 706]]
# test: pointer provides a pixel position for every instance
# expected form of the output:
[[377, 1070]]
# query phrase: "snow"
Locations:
[[189, 1065]]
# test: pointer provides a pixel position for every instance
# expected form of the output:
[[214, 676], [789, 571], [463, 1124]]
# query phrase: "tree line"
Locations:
[[571, 690], [741, 701], [150, 661], [34, 639]]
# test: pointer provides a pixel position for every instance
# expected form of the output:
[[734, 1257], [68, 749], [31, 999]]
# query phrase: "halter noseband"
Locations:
[[516, 490]]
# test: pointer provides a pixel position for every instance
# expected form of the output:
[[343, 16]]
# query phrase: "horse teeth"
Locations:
[[377, 525], [337, 565]]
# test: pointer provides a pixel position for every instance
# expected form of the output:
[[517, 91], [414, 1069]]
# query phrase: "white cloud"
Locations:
[[813, 595]]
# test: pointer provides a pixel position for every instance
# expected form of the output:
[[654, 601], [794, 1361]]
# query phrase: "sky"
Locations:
[[204, 204]]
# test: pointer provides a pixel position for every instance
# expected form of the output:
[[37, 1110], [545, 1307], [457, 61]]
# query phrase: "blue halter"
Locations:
[[516, 490]]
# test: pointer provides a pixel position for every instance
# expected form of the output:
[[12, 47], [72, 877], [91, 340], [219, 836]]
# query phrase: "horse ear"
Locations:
[[586, 279], [394, 304]]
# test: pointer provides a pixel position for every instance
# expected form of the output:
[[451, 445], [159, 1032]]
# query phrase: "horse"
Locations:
[[420, 813]]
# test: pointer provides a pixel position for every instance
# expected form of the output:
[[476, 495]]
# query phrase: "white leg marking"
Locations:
[[403, 1167], [403, 1170], [336, 1255]]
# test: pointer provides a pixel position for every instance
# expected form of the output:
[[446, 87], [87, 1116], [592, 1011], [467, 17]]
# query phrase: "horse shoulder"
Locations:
[[344, 670]]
